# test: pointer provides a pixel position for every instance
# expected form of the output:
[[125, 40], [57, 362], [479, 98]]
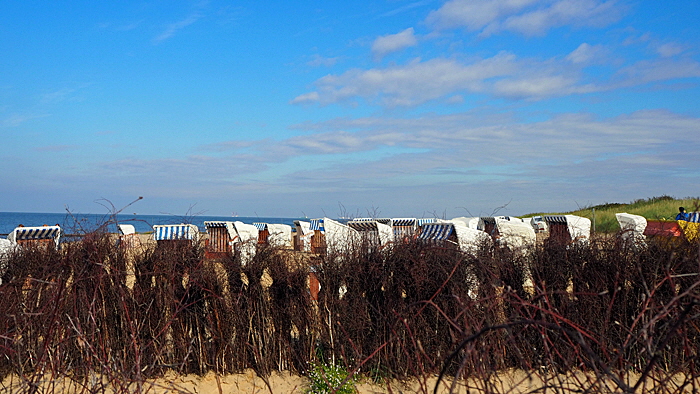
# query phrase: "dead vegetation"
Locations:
[[598, 317]]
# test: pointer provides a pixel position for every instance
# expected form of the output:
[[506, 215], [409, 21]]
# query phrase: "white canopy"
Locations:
[[386, 234], [304, 233], [5, 249], [632, 227], [515, 233], [471, 222], [280, 235], [579, 227], [126, 229], [469, 239], [247, 237], [340, 238]]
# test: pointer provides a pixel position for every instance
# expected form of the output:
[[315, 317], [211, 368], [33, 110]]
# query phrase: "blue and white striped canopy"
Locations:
[[694, 217], [36, 233], [555, 219], [363, 225], [215, 224], [317, 224], [423, 221], [403, 222], [378, 220], [260, 226], [172, 232], [436, 231]]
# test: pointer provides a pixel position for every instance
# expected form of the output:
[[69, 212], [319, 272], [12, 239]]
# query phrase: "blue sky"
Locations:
[[397, 108]]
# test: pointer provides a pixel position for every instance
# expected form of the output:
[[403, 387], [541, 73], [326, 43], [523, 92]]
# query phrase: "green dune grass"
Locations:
[[655, 208]]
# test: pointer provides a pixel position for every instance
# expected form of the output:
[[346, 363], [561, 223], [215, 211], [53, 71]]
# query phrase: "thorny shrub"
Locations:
[[600, 316]]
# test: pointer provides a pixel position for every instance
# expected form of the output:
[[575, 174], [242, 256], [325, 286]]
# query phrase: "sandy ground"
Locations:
[[512, 382], [248, 382]]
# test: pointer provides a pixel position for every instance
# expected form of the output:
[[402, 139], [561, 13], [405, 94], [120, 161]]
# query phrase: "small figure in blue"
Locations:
[[682, 214]]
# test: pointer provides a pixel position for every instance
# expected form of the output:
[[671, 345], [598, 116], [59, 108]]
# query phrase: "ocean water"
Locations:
[[81, 223]]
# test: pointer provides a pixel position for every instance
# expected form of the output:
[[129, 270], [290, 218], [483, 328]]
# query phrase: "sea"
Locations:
[[78, 223]]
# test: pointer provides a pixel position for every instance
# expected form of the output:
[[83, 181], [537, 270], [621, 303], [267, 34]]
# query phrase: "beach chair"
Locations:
[[6, 248], [127, 236], [568, 228], [632, 228], [263, 233], [279, 235], [220, 238], [226, 238], [453, 234], [175, 232], [302, 239], [442, 234], [48, 236], [373, 232], [404, 229], [331, 236]]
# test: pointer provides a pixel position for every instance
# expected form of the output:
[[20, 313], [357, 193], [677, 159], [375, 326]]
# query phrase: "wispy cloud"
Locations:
[[418, 156], [57, 96], [503, 75], [669, 49], [407, 7], [15, 120], [173, 28], [528, 17], [433, 142], [387, 44], [587, 54], [655, 70], [320, 61], [57, 148]]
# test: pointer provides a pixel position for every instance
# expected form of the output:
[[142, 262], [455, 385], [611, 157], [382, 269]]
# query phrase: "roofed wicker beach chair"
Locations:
[[36, 236], [220, 238], [332, 237], [374, 233], [127, 236], [302, 238], [632, 228], [568, 228], [277, 235], [175, 232], [226, 238]]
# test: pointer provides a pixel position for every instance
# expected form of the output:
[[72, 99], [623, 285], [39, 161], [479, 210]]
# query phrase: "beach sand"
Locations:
[[512, 382], [247, 382]]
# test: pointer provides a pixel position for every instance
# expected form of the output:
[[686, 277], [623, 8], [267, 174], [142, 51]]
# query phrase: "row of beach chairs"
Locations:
[[323, 235]]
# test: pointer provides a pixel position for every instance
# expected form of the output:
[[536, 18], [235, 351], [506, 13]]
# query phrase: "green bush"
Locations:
[[331, 379]]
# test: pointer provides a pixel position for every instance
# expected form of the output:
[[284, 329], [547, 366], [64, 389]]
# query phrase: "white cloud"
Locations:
[[503, 75], [529, 17], [319, 61], [57, 96], [669, 49], [432, 142], [586, 54], [15, 120], [480, 153], [474, 14], [385, 45], [646, 71], [306, 98], [173, 28]]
